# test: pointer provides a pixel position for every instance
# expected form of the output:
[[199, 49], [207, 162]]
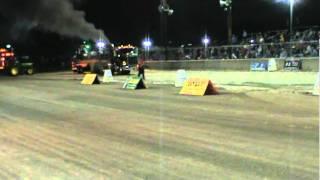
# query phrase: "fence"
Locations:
[[243, 51]]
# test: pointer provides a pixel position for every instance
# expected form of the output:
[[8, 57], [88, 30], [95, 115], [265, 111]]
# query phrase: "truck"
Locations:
[[90, 59], [125, 57], [12, 65]]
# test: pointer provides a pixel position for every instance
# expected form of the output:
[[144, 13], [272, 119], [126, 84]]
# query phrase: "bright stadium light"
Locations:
[[288, 1], [226, 4], [165, 8], [205, 40], [147, 43], [101, 44]]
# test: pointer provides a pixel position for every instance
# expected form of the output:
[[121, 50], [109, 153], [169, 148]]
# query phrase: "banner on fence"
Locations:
[[293, 65], [259, 66]]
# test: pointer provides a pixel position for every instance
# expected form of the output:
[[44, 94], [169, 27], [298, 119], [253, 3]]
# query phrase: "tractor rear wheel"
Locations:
[[14, 71], [97, 68], [80, 71]]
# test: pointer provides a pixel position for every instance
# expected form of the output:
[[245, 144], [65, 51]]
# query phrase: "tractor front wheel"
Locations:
[[30, 71]]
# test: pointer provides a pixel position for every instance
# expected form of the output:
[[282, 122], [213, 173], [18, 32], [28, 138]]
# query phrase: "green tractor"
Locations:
[[25, 65], [13, 66]]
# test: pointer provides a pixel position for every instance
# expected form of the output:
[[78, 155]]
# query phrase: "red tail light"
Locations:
[[2, 62], [7, 54], [73, 66]]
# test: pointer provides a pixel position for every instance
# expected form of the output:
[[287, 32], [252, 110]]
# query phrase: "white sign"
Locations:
[[316, 90], [107, 77], [272, 65], [181, 78]]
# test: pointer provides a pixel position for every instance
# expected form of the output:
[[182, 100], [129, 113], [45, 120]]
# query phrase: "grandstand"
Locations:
[[271, 44]]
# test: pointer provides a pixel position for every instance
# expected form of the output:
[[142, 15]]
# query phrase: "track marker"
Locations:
[[134, 83], [181, 78], [107, 77], [90, 79], [316, 89], [198, 87]]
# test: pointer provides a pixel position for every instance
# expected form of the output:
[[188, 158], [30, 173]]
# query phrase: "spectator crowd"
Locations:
[[272, 44]]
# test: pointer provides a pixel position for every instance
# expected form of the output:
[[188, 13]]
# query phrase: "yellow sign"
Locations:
[[90, 79], [198, 87]]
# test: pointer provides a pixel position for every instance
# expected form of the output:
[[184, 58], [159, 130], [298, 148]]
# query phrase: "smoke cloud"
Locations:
[[57, 16]]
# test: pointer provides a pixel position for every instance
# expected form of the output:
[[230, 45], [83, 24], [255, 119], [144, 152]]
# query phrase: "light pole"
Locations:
[[291, 24], [206, 42], [227, 6], [165, 11], [291, 4], [291, 18], [147, 43]]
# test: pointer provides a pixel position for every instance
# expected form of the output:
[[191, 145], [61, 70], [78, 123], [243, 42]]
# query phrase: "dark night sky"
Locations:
[[129, 21]]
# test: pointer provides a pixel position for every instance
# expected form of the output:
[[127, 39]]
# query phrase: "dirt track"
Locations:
[[52, 127]]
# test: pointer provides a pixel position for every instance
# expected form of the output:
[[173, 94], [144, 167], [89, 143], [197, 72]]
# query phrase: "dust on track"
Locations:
[[52, 127]]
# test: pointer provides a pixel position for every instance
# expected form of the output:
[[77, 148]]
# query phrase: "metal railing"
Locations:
[[244, 51]]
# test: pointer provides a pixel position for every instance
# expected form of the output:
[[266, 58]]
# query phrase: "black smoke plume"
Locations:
[[57, 16]]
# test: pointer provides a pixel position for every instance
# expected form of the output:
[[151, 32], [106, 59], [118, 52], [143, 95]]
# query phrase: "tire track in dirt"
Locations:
[[100, 92], [56, 147], [50, 153], [144, 137]]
